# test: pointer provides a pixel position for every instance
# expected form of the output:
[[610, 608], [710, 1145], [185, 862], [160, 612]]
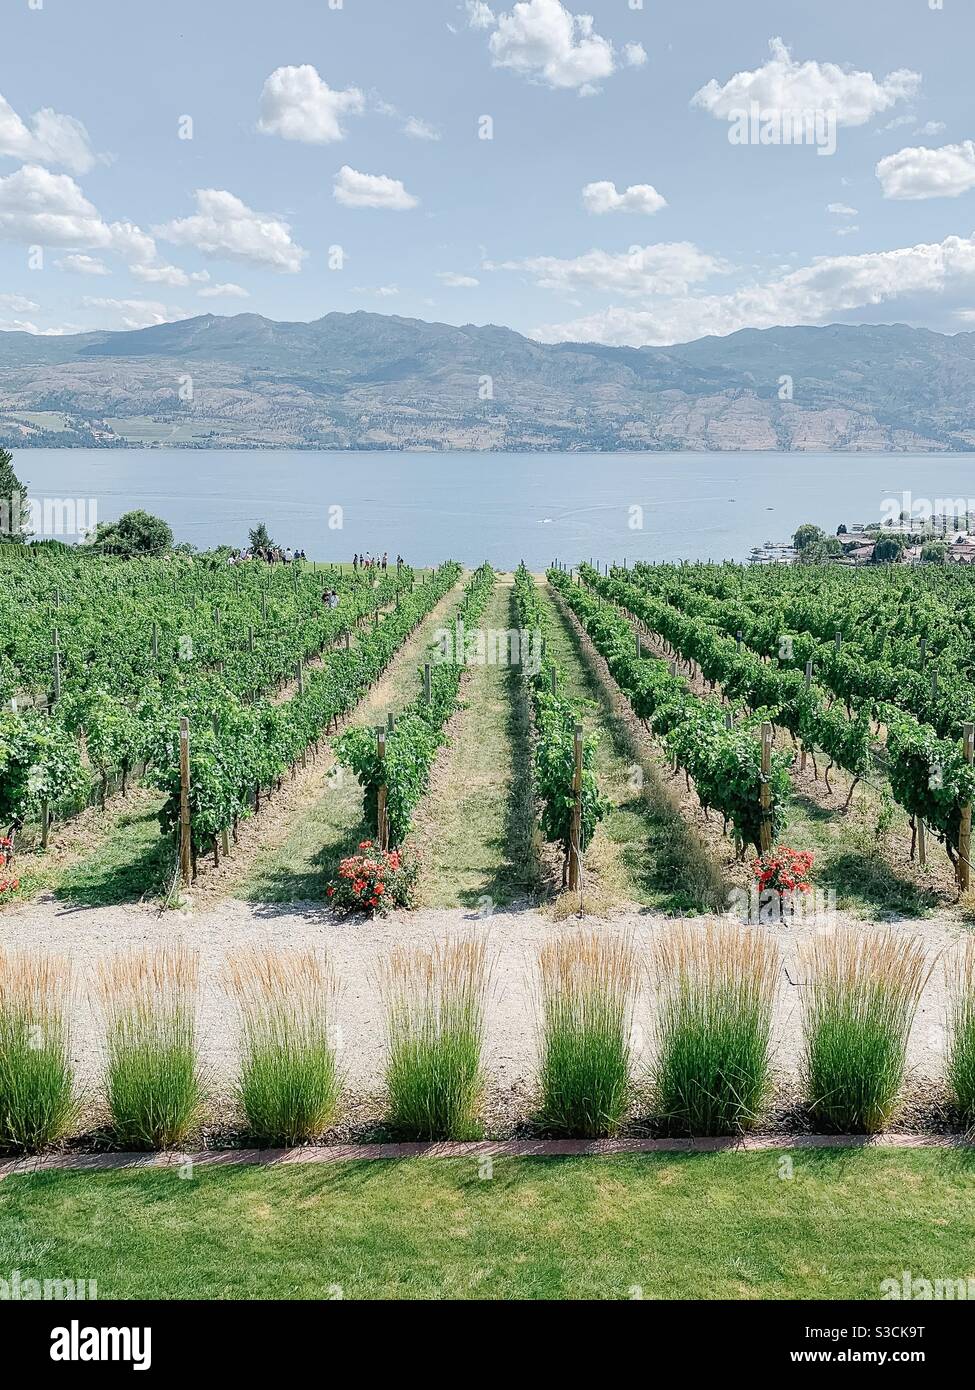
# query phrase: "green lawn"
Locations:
[[703, 1226]]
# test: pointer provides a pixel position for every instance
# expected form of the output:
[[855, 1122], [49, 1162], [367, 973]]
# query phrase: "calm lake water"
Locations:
[[496, 507]]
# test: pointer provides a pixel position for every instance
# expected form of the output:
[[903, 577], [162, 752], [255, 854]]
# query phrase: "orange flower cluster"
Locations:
[[784, 869], [370, 879], [7, 885]]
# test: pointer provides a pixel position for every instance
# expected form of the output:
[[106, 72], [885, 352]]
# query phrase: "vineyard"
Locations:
[[611, 735]]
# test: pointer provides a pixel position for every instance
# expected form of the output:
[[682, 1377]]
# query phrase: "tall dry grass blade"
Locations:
[[587, 988], [435, 1001], [716, 995], [153, 1080], [289, 1079], [864, 990], [37, 1104], [960, 1065]]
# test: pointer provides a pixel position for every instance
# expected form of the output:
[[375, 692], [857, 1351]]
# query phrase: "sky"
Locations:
[[615, 171]]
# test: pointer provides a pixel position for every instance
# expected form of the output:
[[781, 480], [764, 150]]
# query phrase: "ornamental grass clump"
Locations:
[[435, 1000], [716, 993], [37, 1104], [587, 986], [863, 992], [153, 1080], [289, 1079], [960, 1071]]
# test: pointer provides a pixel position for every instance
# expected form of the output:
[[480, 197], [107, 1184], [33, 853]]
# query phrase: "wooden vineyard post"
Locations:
[[45, 822], [301, 678], [264, 604], [575, 827], [382, 825], [809, 675], [250, 639], [57, 665], [155, 641], [965, 828], [555, 681], [427, 683], [922, 853], [185, 856], [765, 828]]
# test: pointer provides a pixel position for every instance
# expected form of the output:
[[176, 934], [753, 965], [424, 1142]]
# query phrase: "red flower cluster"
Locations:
[[375, 880], [8, 886], [785, 870]]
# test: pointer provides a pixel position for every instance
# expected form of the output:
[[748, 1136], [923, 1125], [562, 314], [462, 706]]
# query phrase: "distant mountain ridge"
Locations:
[[367, 381]]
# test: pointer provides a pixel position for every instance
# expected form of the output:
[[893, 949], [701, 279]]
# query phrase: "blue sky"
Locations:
[[336, 163]]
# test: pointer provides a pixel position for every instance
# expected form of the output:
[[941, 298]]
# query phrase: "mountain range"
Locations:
[[376, 381]]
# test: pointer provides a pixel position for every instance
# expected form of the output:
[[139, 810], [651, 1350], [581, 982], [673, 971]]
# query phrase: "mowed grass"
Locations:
[[122, 858], [643, 851], [703, 1226], [474, 830]]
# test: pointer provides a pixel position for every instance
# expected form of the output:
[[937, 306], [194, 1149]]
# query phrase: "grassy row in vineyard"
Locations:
[[929, 773]]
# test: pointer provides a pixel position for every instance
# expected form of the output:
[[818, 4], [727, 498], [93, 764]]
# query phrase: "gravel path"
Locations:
[[89, 934]]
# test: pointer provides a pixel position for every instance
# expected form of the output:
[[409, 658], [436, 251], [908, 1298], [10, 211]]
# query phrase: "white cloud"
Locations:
[[18, 304], [418, 129], [812, 294], [634, 55], [298, 104], [170, 275], [380, 291], [49, 139], [639, 197], [135, 313], [48, 209], [223, 226], [666, 268], [931, 128], [79, 264], [841, 210], [225, 291], [356, 190], [25, 326], [543, 41], [848, 230], [784, 85], [923, 173], [454, 281]]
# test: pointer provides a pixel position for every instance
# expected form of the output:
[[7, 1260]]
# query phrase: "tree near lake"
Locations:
[[260, 539], [14, 514], [135, 533]]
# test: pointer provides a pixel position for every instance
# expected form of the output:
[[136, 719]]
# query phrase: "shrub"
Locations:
[[9, 882], [435, 1004], [374, 881], [588, 983], [153, 1080], [784, 870], [289, 1083], [712, 1070], [36, 1077], [864, 989], [961, 1033]]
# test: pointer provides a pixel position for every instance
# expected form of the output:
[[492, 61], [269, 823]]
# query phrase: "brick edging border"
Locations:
[[508, 1148]]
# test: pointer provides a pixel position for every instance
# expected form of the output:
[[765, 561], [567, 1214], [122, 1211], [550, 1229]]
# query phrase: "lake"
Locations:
[[496, 507]]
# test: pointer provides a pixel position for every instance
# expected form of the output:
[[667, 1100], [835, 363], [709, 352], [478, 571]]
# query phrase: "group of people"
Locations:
[[271, 556], [367, 562], [330, 599]]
